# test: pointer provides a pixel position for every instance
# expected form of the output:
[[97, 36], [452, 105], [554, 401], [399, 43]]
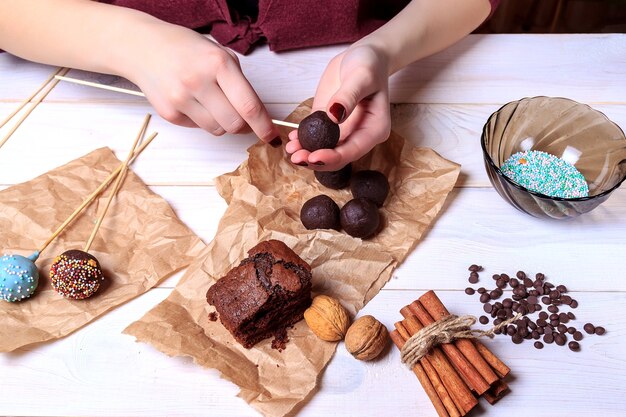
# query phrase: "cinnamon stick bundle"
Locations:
[[452, 374]]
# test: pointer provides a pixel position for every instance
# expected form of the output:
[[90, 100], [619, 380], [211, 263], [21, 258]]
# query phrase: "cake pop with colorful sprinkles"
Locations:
[[546, 174], [18, 277], [76, 274]]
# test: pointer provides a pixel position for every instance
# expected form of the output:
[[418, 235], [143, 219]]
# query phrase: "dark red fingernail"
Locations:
[[338, 111], [302, 164], [319, 163], [276, 142]]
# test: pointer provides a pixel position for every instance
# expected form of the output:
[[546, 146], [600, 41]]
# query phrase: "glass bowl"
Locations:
[[572, 131]]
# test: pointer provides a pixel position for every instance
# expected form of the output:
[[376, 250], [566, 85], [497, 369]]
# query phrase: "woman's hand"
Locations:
[[354, 92], [192, 81]]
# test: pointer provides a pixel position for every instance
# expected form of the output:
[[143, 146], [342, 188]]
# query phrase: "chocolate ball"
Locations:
[[360, 218], [76, 274], [372, 185], [320, 212], [317, 131], [335, 179]]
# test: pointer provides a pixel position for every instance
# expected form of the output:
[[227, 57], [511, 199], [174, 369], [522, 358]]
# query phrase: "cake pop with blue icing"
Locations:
[[19, 277]]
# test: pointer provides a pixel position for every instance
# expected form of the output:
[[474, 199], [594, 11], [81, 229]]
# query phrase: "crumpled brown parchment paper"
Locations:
[[140, 242], [264, 197]]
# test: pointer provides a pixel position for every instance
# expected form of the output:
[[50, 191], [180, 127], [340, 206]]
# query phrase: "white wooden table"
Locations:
[[442, 103]]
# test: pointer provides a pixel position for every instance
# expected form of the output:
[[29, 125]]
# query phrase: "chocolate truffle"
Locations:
[[372, 185], [335, 179], [320, 212], [76, 274], [360, 218], [264, 295], [317, 131]]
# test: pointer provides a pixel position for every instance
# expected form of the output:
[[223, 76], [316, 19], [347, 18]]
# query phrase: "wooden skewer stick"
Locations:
[[140, 94], [26, 101], [93, 195], [118, 183], [34, 105]]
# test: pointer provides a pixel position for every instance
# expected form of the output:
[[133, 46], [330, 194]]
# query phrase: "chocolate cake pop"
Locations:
[[360, 218], [320, 212], [76, 274], [18, 277], [335, 179], [317, 131], [369, 184]]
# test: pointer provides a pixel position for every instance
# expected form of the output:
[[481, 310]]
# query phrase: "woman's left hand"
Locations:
[[354, 92]]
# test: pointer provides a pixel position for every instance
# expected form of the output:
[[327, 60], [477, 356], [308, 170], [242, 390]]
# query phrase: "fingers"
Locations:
[[246, 102], [356, 83]]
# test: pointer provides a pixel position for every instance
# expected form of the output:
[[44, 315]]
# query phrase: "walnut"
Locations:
[[366, 338], [327, 318]]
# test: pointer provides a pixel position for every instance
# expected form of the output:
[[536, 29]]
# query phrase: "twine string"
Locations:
[[446, 330]]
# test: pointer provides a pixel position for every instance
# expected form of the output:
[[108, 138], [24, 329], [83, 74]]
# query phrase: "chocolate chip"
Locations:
[[538, 345], [483, 319], [589, 328], [469, 291], [484, 297], [574, 346], [578, 336], [600, 331]]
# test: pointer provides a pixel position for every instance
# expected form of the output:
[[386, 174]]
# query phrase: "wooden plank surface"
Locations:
[[442, 103], [99, 371], [59, 132]]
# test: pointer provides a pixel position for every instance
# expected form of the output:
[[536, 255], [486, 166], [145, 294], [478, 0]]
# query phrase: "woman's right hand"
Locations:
[[194, 82]]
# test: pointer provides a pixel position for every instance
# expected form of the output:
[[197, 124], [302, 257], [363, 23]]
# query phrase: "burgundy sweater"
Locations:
[[284, 24]]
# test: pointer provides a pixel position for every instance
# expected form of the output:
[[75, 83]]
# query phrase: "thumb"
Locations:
[[356, 85]]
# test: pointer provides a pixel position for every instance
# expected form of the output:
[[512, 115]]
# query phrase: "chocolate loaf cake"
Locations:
[[265, 294]]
